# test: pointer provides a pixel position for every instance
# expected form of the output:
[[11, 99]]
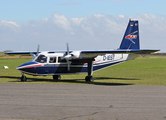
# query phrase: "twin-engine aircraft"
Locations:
[[76, 62]]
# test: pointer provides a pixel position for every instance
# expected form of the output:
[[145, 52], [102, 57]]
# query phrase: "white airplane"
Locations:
[[75, 62]]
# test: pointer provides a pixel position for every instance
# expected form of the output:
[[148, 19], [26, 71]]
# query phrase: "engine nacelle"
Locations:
[[72, 55], [75, 55]]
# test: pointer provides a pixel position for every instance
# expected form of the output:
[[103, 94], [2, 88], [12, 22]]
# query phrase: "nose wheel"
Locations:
[[56, 77], [23, 78]]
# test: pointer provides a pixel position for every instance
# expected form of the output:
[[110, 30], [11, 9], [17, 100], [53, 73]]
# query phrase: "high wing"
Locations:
[[31, 52], [93, 54], [21, 53], [90, 54]]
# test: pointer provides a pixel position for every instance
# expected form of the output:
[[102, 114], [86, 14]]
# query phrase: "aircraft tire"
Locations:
[[56, 77], [23, 78], [89, 79]]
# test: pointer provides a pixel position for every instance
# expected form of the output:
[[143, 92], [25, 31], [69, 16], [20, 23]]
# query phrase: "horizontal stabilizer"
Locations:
[[93, 54], [121, 51], [144, 51]]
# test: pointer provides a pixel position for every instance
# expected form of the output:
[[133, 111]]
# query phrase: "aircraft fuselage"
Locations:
[[51, 64]]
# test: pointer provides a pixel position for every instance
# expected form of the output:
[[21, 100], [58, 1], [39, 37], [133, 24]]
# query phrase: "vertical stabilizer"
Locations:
[[131, 37]]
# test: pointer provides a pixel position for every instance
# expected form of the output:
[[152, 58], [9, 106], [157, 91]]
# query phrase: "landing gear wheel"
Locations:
[[89, 79], [56, 77], [23, 78]]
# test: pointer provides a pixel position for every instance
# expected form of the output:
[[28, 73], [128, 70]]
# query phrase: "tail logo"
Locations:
[[131, 36]]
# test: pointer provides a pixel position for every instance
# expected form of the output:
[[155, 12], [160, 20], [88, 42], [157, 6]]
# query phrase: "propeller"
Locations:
[[36, 53], [68, 56], [67, 45]]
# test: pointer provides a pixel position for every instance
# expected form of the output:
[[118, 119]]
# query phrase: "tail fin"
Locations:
[[131, 37]]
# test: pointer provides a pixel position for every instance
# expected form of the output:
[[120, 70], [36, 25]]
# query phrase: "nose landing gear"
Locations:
[[23, 78], [56, 77]]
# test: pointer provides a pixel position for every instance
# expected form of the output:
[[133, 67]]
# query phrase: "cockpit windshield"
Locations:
[[41, 59]]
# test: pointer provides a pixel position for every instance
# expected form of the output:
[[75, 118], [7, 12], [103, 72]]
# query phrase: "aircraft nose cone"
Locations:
[[28, 67], [18, 68]]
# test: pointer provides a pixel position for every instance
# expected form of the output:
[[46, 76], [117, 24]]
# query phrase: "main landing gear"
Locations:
[[89, 78]]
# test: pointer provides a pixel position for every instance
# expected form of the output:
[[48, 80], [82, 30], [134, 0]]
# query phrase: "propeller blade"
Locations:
[[68, 57], [68, 65], [67, 48], [36, 53], [38, 50], [33, 56]]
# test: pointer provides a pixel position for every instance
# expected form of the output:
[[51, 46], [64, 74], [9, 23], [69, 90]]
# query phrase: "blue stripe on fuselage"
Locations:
[[28, 63], [101, 66], [95, 68]]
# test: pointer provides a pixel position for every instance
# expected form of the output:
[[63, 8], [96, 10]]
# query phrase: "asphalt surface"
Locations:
[[82, 102]]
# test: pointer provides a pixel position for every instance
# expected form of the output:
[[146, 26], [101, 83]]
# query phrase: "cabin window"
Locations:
[[60, 60], [41, 59], [52, 60]]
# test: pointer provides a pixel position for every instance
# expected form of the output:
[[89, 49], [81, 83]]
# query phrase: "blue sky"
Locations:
[[21, 11], [82, 23]]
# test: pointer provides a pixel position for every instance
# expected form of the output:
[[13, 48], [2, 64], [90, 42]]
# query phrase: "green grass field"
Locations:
[[149, 70]]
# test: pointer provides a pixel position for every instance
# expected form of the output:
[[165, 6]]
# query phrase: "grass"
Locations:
[[147, 70]]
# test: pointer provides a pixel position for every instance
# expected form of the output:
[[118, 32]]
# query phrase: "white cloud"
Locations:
[[87, 29], [77, 21], [9, 23], [97, 31], [61, 20], [99, 15], [45, 19], [121, 16], [9, 26]]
